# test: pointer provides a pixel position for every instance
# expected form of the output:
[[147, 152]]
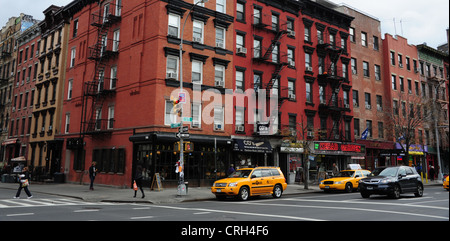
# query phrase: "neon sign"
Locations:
[[334, 146]]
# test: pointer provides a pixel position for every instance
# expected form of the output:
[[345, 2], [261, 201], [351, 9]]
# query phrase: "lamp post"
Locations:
[[181, 186]]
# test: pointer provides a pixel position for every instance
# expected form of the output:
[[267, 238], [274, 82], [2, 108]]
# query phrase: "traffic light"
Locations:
[[176, 109], [188, 146]]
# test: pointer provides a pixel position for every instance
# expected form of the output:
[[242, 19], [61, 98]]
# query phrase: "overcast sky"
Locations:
[[420, 21]]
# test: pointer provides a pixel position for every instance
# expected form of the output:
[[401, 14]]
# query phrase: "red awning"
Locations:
[[10, 141]]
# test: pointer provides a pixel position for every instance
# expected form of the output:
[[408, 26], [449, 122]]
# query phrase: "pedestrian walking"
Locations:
[[138, 179], [335, 170], [431, 173], [24, 183], [92, 173]]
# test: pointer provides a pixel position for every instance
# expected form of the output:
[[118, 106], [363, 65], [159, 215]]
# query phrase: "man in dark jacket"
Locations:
[[92, 173]]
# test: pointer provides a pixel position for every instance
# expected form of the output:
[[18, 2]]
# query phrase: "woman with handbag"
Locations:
[[24, 183], [138, 181]]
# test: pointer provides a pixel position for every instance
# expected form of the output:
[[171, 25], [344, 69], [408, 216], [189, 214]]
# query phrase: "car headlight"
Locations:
[[385, 181], [321, 182], [338, 183], [233, 184]]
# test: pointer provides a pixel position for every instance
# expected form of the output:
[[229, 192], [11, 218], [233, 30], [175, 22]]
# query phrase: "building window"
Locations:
[[355, 98], [275, 22], [116, 38], [221, 6], [72, 56], [354, 66], [69, 90], [75, 28], [219, 76], [220, 38], [364, 39], [376, 45], [169, 118], [196, 116], [309, 96], [240, 12], [110, 117], [379, 102], [240, 80], [239, 120], [368, 102], [256, 48], [197, 67], [197, 34], [174, 25], [113, 81], [66, 129], [366, 69], [392, 58], [394, 82], [352, 35], [218, 118], [369, 127], [172, 67], [377, 72], [256, 16]]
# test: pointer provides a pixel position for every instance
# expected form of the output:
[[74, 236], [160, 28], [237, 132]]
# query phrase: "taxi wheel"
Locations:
[[243, 194], [277, 191], [349, 187]]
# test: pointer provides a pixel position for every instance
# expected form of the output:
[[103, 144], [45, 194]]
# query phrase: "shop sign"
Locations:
[[414, 149], [252, 146], [338, 148]]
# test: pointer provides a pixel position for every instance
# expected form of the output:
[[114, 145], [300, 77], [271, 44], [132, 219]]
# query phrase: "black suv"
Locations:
[[392, 181]]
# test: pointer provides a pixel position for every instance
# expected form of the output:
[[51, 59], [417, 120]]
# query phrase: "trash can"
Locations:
[[58, 177], [187, 187]]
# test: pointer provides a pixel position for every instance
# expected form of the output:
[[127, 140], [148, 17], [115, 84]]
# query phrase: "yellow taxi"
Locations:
[[247, 182], [445, 184], [347, 180]]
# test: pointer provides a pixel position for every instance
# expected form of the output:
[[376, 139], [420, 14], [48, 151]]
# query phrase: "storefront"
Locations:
[[324, 154], [291, 161], [207, 161], [251, 153], [416, 154], [378, 153]]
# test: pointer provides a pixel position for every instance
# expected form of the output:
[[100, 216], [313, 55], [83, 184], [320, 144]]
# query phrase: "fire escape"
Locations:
[[272, 55], [333, 76], [101, 88]]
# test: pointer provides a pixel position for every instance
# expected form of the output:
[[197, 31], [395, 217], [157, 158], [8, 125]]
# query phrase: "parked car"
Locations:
[[347, 180], [445, 183], [392, 181], [247, 182]]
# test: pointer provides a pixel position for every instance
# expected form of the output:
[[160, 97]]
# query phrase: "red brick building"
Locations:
[[124, 65]]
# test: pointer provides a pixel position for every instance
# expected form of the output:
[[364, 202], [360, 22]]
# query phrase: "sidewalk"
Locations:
[[103, 193], [114, 194]]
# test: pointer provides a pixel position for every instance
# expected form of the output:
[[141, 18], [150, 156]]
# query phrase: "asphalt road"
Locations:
[[433, 206]]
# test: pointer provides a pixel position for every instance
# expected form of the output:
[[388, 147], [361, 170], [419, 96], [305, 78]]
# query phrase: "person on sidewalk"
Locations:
[[138, 179], [92, 173], [24, 183]]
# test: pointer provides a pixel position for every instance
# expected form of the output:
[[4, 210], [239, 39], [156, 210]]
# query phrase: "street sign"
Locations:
[[187, 119], [175, 125], [184, 129], [182, 98], [183, 135]]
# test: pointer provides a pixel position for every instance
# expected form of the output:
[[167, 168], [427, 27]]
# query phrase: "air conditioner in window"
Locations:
[[347, 106], [197, 40], [291, 33], [217, 126], [196, 124], [292, 96], [219, 45], [171, 75], [219, 83], [240, 128], [291, 63], [241, 50], [309, 68], [368, 107]]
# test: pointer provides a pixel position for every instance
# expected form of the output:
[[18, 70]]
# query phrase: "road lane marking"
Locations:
[[346, 208], [365, 202], [85, 210], [200, 213], [146, 217], [19, 214], [242, 213]]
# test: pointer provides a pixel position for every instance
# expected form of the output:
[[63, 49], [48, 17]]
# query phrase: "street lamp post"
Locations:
[[181, 184]]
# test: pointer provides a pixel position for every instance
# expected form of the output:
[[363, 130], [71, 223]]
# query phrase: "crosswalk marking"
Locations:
[[15, 203]]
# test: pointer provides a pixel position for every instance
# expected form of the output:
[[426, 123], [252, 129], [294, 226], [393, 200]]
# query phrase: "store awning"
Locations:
[[260, 146], [18, 159], [10, 141]]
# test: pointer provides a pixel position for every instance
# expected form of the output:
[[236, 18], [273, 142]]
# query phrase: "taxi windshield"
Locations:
[[345, 174], [240, 173]]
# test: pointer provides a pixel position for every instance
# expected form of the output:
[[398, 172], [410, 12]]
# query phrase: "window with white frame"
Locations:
[[169, 118], [66, 129], [197, 35], [113, 82], [240, 80], [172, 67], [116, 37], [218, 118], [221, 6], [219, 76], [73, 53], [69, 91], [239, 119], [110, 117], [174, 25], [197, 72], [220, 37], [196, 115]]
